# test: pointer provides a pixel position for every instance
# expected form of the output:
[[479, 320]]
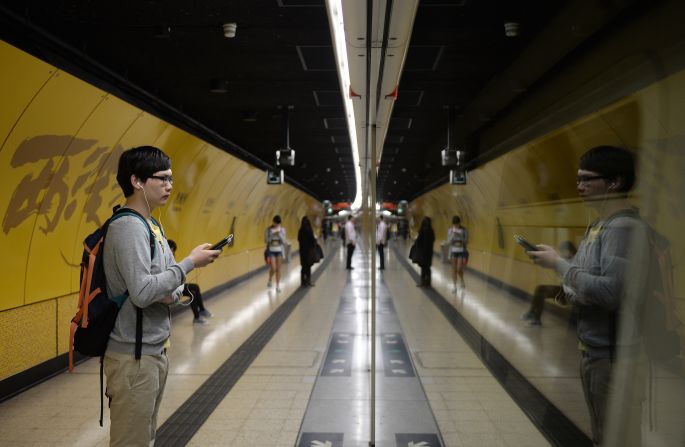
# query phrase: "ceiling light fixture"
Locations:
[[218, 86], [230, 29]]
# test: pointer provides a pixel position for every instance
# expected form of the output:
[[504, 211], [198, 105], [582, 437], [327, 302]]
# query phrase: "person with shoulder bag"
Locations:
[[309, 254]]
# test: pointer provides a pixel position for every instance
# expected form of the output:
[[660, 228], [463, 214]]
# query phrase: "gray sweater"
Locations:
[[128, 267], [606, 282]]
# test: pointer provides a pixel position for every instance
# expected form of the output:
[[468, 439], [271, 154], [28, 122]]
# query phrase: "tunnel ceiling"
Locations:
[[282, 55]]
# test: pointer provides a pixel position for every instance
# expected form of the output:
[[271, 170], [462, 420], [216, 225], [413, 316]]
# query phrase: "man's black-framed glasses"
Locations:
[[164, 178], [585, 179]]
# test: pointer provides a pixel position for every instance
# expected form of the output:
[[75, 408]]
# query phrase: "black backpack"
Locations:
[[97, 311], [660, 322]]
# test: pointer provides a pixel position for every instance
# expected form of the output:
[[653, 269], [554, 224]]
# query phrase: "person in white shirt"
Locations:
[[457, 238], [351, 239], [275, 239], [381, 240]]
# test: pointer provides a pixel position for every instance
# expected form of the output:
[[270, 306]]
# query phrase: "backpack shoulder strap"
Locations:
[[120, 212], [159, 225], [628, 212]]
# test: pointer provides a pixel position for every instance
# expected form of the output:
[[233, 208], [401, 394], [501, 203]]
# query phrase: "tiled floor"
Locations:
[[546, 355], [470, 406], [266, 406]]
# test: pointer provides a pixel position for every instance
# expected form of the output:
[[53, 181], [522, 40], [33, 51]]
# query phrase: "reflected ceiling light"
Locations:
[[336, 20], [218, 86], [229, 29]]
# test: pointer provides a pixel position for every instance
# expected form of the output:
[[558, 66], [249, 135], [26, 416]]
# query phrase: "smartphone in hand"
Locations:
[[223, 242], [524, 243]]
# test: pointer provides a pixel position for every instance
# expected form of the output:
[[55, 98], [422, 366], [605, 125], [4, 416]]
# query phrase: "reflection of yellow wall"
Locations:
[[531, 190], [62, 140]]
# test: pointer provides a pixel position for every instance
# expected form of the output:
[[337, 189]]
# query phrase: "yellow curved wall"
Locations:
[[61, 139], [531, 190]]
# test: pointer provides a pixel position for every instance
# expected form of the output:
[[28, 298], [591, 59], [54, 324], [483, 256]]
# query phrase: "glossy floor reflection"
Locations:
[[268, 404]]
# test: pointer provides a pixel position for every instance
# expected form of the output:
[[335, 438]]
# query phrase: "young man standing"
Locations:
[[604, 282], [351, 239], [151, 283]]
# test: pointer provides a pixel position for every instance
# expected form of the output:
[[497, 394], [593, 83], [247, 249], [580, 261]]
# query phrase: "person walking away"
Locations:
[[275, 239], [424, 251], [201, 315], [351, 239], [533, 316], [308, 253], [606, 271], [381, 240], [148, 284], [457, 239]]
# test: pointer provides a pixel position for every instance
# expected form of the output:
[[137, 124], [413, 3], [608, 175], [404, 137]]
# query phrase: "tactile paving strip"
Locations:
[[189, 417]]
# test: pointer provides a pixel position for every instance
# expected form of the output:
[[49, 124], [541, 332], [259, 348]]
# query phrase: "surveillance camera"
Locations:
[[274, 176]]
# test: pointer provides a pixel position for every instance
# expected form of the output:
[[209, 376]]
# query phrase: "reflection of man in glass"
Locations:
[[595, 282]]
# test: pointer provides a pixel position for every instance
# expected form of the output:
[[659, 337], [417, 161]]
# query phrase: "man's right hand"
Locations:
[[545, 256], [201, 255]]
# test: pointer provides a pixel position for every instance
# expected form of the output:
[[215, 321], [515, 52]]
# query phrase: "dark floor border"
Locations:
[[182, 425], [549, 420], [27, 379]]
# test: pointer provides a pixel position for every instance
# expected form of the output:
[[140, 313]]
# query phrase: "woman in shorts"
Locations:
[[457, 238], [274, 236]]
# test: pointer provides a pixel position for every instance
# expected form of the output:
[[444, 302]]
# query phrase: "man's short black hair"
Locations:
[[456, 220], [612, 162], [277, 219], [143, 162]]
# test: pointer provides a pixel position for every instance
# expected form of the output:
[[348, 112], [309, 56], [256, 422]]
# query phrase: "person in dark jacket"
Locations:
[[308, 253], [423, 254]]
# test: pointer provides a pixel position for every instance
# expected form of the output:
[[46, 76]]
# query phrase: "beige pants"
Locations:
[[135, 388]]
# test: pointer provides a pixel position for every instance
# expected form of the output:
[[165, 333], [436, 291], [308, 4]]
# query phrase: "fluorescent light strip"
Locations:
[[335, 17]]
